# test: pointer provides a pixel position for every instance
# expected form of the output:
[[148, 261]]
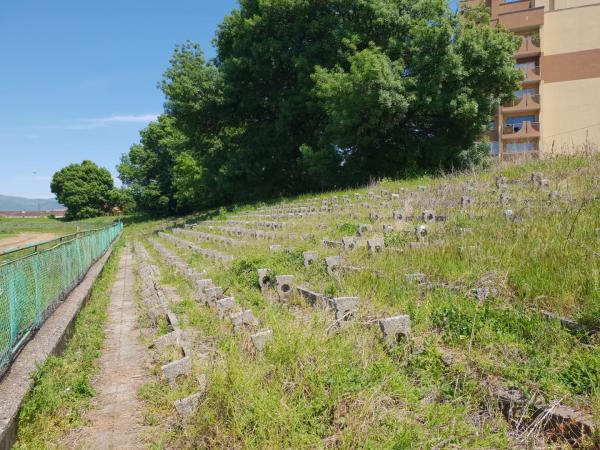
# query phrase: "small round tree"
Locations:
[[86, 189]]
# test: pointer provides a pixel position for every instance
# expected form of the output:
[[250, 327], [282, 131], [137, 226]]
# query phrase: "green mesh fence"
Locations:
[[32, 286]]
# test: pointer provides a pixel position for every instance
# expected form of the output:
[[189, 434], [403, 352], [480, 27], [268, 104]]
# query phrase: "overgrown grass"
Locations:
[[62, 386], [313, 388]]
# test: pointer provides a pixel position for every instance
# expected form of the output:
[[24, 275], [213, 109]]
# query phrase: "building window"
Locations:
[[517, 122], [494, 148], [520, 147]]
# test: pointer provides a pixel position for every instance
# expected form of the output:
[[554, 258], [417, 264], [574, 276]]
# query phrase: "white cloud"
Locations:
[[101, 122]]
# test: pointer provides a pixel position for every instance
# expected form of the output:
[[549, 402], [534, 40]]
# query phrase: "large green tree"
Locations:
[[312, 94], [86, 189]]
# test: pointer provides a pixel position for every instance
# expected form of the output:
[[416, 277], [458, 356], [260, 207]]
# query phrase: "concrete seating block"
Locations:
[[501, 182], [211, 295], [508, 214], [177, 369], [263, 279], [421, 233], [156, 313], [171, 339], [330, 243], [415, 278], [344, 307], [243, 320], [225, 305], [284, 284], [483, 293], [364, 229], [349, 242], [394, 328], [261, 338], [536, 178], [310, 257], [186, 407], [313, 298], [376, 245], [465, 201], [333, 264], [428, 216]]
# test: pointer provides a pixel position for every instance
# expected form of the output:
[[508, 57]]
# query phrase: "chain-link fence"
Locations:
[[32, 286]]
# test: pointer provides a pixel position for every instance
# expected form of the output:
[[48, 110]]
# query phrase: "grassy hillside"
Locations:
[[479, 327], [486, 362]]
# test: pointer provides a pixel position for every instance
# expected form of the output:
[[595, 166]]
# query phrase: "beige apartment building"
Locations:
[[557, 110]]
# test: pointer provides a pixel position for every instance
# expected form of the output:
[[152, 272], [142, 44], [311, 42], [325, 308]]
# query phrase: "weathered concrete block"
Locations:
[[536, 178], [465, 201], [264, 281], [484, 293], [261, 338], [333, 264], [508, 214], [428, 216], [211, 295], [501, 182], [171, 339], [204, 283], [177, 369], [416, 278], [421, 233], [156, 313], [364, 229], [225, 306], [504, 198], [310, 257], [387, 228], [394, 328], [284, 284], [395, 196], [312, 298], [349, 243], [186, 407], [243, 320], [330, 243], [397, 215], [344, 307], [376, 245], [275, 248]]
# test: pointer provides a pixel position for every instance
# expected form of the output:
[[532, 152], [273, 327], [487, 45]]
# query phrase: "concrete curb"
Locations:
[[50, 339]]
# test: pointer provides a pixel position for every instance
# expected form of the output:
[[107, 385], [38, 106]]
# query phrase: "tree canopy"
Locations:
[[86, 190], [312, 94]]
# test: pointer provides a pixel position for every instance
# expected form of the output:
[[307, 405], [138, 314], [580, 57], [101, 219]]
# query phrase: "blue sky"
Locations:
[[78, 79]]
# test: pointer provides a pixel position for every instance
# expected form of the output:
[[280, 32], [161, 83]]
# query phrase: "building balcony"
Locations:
[[532, 74], [526, 102], [504, 7], [522, 130], [529, 47], [530, 18]]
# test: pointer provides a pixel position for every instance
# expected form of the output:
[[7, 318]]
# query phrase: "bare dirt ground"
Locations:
[[23, 239], [116, 421]]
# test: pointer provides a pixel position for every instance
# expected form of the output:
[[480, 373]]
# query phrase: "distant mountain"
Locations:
[[8, 203]]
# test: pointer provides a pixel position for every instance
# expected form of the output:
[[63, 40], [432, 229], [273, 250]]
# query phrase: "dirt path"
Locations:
[[116, 422], [23, 239]]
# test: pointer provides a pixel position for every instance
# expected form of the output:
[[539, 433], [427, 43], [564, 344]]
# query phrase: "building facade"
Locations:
[[557, 109]]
